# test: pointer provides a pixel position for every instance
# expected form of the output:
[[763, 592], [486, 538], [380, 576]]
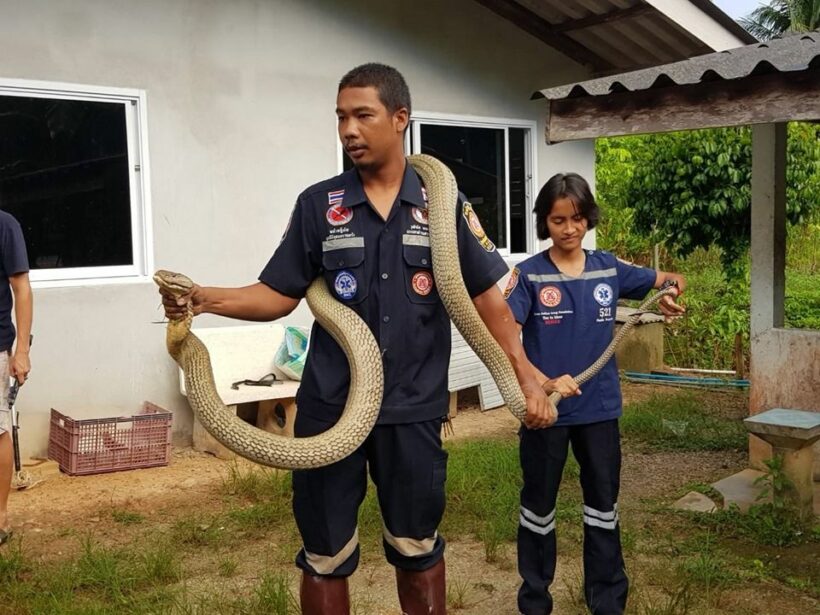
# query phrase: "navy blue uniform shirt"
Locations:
[[13, 260], [383, 271], [568, 322]]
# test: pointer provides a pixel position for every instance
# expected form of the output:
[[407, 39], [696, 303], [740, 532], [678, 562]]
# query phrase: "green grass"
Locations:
[[688, 559], [802, 308], [228, 567], [762, 524], [678, 599], [483, 485], [126, 517], [198, 531], [457, 592], [682, 422], [483, 494], [98, 579], [258, 518], [257, 485], [272, 597]]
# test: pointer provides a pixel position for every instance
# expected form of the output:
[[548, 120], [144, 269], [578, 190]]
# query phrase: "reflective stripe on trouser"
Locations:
[[328, 564], [543, 454], [409, 548], [408, 467]]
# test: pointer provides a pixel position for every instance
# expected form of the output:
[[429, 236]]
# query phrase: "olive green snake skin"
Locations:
[[356, 340]]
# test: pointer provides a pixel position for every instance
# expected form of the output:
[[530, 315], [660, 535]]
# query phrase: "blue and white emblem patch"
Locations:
[[603, 294], [345, 285]]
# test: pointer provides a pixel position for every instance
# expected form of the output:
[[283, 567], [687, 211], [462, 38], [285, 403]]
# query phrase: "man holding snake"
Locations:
[[366, 232]]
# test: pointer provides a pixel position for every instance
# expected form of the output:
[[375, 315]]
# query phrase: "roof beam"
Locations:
[[543, 30], [778, 97], [602, 18], [704, 21]]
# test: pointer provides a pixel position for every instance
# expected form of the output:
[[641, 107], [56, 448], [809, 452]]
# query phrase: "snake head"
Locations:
[[177, 331], [176, 284]]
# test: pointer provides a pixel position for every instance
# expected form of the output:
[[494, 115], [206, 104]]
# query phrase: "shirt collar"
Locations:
[[411, 192]]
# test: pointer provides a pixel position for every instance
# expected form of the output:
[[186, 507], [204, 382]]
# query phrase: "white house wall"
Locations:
[[240, 98]]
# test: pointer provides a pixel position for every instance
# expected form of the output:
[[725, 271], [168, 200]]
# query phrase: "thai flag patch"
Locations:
[[336, 197]]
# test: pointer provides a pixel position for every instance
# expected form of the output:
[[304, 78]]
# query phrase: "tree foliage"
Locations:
[[781, 16], [693, 189]]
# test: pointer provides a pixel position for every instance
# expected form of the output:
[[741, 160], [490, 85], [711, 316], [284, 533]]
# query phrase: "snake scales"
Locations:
[[357, 342]]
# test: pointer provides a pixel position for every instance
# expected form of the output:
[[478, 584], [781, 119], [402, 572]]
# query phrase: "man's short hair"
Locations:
[[393, 91]]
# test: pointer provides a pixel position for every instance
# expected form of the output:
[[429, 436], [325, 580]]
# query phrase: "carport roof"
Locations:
[[797, 52]]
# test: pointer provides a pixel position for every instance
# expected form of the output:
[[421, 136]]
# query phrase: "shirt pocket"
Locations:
[[344, 271], [419, 283]]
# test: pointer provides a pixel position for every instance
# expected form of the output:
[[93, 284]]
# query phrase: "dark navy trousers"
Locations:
[[543, 453], [408, 466]]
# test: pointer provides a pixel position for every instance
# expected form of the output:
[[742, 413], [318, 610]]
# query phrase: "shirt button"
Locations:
[[341, 263], [386, 319], [385, 276], [424, 261]]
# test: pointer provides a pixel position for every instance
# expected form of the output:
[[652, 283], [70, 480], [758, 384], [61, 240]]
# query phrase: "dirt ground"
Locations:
[[49, 516]]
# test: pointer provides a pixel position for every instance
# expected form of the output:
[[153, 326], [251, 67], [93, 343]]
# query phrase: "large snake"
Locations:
[[356, 340]]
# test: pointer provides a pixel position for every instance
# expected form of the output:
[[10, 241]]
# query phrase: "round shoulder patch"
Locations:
[[474, 224], [603, 294], [550, 296], [512, 282], [337, 215], [345, 285], [422, 283]]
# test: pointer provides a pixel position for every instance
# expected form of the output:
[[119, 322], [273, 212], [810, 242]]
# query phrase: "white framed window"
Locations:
[[494, 161], [74, 173]]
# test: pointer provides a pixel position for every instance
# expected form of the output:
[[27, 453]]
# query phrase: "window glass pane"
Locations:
[[518, 190], [476, 157], [64, 176]]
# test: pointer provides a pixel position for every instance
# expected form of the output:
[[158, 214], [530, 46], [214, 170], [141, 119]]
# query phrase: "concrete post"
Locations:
[[768, 252], [768, 227], [797, 465]]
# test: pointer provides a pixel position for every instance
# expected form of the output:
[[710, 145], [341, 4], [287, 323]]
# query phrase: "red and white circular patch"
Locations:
[[338, 215], [420, 215], [422, 283], [550, 296]]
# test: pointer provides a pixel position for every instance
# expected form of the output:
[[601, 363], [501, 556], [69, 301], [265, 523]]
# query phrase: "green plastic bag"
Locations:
[[292, 352]]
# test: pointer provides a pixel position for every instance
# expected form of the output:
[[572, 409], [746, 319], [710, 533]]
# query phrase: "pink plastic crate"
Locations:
[[93, 446]]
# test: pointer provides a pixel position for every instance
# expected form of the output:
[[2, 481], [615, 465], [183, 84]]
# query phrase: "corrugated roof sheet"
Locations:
[[797, 52]]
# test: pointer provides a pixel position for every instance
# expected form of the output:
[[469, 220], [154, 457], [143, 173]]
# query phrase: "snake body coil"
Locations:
[[606, 355], [356, 340]]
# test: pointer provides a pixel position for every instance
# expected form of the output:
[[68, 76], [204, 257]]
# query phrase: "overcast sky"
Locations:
[[738, 8]]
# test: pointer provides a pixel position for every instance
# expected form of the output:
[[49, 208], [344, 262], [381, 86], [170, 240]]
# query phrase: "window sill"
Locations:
[[84, 282]]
